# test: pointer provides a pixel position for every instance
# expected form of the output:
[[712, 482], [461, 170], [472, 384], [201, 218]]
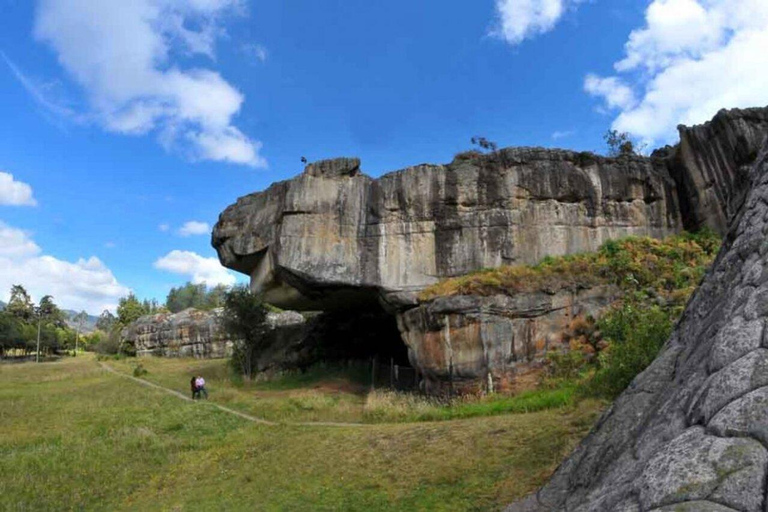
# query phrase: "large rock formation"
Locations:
[[691, 432], [333, 237], [194, 333], [336, 239]]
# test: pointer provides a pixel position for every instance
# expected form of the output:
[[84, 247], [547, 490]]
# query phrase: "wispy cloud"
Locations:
[[563, 134], [256, 52], [39, 93]]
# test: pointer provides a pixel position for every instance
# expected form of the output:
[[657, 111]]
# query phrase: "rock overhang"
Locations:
[[310, 242]]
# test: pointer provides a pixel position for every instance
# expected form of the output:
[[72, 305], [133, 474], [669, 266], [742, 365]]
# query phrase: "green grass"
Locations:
[[335, 394], [396, 407], [75, 437]]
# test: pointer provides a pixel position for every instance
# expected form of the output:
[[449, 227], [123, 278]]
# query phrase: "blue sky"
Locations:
[[122, 124]]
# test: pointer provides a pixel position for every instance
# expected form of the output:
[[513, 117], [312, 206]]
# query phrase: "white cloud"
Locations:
[[85, 284], [126, 57], [15, 243], [518, 20], [15, 193], [615, 93], [164, 227], [194, 227], [199, 268], [689, 60], [255, 51], [563, 134]]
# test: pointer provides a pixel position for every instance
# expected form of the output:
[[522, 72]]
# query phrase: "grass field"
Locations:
[[75, 437], [328, 394]]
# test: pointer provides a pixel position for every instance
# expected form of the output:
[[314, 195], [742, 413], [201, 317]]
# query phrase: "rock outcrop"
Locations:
[[711, 166], [334, 237], [691, 432], [194, 333], [469, 341]]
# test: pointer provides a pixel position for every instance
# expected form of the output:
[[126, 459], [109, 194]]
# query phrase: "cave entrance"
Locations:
[[363, 335]]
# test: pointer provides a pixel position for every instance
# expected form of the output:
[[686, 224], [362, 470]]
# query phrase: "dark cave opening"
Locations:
[[359, 335]]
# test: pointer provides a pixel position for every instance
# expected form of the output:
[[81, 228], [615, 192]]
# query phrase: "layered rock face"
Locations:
[[189, 333], [335, 238], [471, 341], [711, 166], [193, 333], [691, 432]]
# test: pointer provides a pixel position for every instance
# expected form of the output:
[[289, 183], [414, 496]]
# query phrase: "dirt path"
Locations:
[[254, 419]]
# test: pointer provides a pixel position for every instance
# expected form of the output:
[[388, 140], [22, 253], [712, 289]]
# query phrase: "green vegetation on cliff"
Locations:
[[656, 278], [671, 268]]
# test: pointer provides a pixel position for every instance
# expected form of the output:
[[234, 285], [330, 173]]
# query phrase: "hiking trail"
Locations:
[[254, 419]]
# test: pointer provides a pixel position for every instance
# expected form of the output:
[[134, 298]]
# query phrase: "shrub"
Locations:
[[108, 345], [139, 370], [635, 333]]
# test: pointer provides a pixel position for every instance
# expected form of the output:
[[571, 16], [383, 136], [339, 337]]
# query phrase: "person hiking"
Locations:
[[200, 384], [193, 386]]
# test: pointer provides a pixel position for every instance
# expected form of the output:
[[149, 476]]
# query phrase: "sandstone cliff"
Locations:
[[333, 237]]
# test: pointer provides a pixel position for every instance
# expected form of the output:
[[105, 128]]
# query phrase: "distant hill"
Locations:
[[88, 326]]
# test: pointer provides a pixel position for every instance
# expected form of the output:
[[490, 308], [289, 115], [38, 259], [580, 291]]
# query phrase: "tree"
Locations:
[[80, 320], [619, 143], [51, 313], [130, 309], [10, 334], [49, 320], [196, 296], [244, 319], [106, 321], [20, 305], [485, 144]]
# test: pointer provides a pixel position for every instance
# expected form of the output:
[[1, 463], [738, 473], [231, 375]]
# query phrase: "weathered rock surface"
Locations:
[[333, 237], [692, 427], [469, 339], [711, 166], [194, 333]]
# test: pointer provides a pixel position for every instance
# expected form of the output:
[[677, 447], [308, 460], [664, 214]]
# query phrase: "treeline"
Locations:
[[26, 326], [20, 318]]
